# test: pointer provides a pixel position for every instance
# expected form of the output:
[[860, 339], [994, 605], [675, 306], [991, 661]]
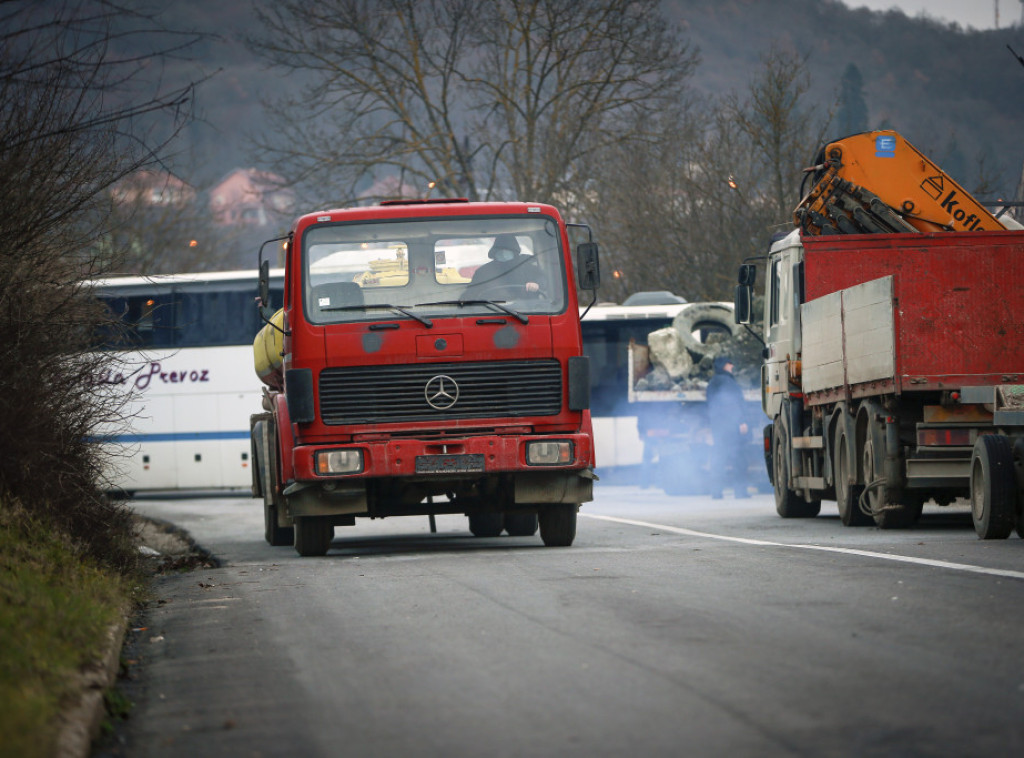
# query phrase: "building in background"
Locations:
[[153, 188], [250, 197]]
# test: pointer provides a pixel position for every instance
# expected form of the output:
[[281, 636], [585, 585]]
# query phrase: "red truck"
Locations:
[[428, 359], [895, 375], [893, 330]]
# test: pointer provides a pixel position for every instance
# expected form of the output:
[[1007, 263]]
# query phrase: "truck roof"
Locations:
[[413, 208]]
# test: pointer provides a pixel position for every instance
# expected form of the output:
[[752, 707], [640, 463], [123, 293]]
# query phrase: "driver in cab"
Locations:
[[508, 270]]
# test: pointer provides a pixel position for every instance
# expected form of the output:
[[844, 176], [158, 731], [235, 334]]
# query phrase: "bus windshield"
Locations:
[[428, 268]]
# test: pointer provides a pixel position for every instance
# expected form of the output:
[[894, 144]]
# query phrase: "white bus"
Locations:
[[607, 331], [184, 363]]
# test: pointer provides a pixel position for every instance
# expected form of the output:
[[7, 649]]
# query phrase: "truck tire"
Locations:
[[697, 315], [276, 536], [486, 524], [993, 487], [788, 503], [887, 511], [847, 494], [1018, 466], [313, 535], [558, 524], [264, 470], [521, 524]]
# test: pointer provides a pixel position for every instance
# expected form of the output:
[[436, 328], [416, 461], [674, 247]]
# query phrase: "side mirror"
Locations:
[[264, 284], [266, 309], [588, 271], [743, 304], [747, 275]]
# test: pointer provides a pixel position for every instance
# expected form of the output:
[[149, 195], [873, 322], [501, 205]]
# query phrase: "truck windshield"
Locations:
[[431, 268]]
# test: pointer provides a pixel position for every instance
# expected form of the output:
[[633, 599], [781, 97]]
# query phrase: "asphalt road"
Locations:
[[674, 626]]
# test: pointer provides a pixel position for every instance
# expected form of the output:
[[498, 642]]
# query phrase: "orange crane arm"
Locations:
[[877, 182]]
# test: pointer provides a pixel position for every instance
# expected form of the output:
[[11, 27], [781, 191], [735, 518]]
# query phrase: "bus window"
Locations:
[[190, 315], [214, 317], [147, 320]]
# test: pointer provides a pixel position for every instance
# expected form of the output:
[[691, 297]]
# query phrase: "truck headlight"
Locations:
[[339, 462], [557, 453]]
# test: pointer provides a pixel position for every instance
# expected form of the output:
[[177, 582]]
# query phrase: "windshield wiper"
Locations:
[[493, 303], [397, 308]]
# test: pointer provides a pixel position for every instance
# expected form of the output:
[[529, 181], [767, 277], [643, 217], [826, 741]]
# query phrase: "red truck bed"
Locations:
[[957, 304]]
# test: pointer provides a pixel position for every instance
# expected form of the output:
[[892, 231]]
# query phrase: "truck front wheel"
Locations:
[[993, 487], [275, 535], [558, 524], [788, 503], [313, 535]]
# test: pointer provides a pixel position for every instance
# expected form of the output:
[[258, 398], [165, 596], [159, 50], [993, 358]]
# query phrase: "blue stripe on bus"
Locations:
[[171, 437]]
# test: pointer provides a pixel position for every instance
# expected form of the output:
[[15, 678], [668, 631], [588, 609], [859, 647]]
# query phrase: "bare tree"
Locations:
[[680, 217], [69, 129], [488, 99], [784, 130], [640, 199], [709, 186], [142, 237]]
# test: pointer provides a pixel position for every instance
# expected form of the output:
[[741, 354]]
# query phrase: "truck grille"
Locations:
[[383, 394]]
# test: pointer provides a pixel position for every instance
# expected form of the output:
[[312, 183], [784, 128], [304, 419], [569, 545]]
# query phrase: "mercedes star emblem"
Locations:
[[441, 392]]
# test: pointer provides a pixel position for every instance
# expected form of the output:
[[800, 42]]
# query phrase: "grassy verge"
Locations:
[[55, 610]]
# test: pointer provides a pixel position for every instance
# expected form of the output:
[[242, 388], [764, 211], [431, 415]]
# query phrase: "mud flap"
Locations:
[[554, 487]]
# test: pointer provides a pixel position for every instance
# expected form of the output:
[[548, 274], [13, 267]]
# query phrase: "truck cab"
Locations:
[[431, 362], [780, 374]]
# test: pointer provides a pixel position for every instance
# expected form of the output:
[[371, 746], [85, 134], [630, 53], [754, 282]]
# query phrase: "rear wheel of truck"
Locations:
[[521, 524], [788, 503], [887, 511], [1018, 466], [558, 524], [993, 487], [486, 524], [313, 535], [847, 494]]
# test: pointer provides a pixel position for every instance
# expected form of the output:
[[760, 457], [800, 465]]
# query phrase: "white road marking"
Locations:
[[967, 567]]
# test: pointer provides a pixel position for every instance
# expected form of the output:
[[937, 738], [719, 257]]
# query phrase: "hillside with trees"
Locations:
[[680, 182], [957, 94]]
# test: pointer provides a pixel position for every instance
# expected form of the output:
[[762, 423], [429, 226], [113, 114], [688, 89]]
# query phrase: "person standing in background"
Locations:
[[728, 430]]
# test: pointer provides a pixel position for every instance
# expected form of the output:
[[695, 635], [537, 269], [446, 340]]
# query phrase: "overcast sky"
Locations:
[[979, 14]]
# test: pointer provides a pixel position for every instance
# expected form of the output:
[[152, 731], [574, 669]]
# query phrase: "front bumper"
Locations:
[[431, 458]]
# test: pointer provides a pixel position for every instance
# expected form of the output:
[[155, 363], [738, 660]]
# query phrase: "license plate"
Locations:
[[449, 464]]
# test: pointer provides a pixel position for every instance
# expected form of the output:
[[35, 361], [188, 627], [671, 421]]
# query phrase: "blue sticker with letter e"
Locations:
[[885, 146]]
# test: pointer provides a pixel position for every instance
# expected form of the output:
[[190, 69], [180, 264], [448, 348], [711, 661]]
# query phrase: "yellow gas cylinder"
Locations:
[[267, 351]]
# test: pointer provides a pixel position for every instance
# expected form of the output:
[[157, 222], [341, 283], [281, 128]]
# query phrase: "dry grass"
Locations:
[[55, 610]]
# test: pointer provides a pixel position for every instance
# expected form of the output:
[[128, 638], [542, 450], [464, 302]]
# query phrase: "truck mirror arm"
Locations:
[[757, 336], [262, 309]]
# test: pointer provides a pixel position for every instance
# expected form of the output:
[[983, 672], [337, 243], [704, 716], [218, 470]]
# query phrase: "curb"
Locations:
[[79, 724]]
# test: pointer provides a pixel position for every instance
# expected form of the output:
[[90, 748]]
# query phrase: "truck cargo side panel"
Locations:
[[848, 337], [823, 365], [958, 309], [868, 331]]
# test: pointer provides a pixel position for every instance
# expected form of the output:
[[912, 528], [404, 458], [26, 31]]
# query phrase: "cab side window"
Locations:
[[774, 292]]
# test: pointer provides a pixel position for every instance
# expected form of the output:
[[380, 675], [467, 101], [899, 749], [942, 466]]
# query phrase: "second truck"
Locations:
[[894, 332]]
